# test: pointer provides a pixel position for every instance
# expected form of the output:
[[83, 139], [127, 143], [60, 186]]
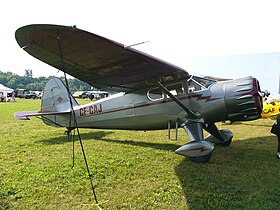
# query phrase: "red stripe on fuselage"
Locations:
[[197, 96]]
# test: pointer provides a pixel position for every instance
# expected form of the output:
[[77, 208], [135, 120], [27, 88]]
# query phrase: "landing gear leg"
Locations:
[[198, 150], [218, 137], [67, 132]]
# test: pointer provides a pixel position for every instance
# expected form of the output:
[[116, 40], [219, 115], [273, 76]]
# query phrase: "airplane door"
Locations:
[[178, 91], [175, 112]]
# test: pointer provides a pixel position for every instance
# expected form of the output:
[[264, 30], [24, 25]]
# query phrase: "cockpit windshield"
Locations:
[[199, 83]]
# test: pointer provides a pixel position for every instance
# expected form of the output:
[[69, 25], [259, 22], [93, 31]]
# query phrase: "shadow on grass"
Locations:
[[242, 176], [158, 146], [100, 136], [84, 136]]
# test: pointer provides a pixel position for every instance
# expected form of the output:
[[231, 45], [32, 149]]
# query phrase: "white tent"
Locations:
[[5, 89], [4, 92]]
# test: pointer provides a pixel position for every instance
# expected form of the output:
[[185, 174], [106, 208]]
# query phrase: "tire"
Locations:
[[201, 159], [225, 144]]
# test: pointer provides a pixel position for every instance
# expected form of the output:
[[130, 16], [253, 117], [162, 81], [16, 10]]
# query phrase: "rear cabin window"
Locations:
[[155, 94]]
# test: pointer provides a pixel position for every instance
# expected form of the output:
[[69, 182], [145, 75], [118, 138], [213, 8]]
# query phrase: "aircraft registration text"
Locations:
[[91, 110]]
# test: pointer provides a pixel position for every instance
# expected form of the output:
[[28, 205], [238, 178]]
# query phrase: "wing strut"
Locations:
[[72, 113], [198, 150], [190, 114]]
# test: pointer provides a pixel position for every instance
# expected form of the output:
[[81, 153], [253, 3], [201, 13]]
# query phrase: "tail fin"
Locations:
[[56, 99], [56, 105]]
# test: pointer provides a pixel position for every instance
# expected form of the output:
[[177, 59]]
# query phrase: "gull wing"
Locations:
[[98, 61]]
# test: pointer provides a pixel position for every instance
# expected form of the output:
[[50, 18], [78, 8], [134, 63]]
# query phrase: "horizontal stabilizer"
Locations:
[[25, 115]]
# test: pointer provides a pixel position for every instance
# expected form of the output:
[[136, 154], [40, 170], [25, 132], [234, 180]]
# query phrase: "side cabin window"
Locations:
[[199, 84], [155, 94]]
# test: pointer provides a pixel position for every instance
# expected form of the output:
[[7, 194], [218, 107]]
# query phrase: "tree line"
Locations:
[[28, 82]]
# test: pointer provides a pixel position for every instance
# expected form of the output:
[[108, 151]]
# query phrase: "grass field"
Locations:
[[132, 169]]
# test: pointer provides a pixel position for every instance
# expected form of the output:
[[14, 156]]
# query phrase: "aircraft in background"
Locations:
[[271, 107], [153, 94], [271, 104]]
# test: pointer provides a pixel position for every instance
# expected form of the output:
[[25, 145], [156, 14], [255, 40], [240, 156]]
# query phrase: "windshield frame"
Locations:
[[199, 84]]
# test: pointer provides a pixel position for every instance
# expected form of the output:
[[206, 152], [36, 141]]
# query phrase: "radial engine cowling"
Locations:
[[242, 99]]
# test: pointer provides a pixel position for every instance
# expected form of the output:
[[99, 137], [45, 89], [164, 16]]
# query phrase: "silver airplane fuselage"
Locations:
[[234, 100]]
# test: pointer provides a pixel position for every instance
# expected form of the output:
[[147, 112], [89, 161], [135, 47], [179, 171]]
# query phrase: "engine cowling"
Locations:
[[243, 99]]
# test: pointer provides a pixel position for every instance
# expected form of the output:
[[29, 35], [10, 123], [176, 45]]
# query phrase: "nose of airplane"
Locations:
[[243, 99]]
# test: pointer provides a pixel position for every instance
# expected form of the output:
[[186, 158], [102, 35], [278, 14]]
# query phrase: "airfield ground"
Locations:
[[132, 169]]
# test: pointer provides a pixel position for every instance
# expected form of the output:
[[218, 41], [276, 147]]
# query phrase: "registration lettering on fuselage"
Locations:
[[91, 110]]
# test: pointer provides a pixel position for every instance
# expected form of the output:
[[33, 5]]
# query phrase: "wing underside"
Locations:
[[98, 61]]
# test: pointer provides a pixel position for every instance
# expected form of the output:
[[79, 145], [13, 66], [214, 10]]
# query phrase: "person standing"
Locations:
[[2, 96], [276, 130]]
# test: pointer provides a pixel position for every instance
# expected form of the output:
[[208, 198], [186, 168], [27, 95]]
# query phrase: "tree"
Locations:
[[28, 73], [27, 81]]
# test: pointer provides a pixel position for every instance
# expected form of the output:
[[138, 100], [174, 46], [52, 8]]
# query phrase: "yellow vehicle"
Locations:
[[270, 108]]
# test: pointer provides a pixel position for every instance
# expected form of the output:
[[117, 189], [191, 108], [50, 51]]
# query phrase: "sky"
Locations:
[[224, 38]]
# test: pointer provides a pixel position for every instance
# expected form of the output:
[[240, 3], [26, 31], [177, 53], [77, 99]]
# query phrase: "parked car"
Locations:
[[23, 93], [84, 94], [29, 95]]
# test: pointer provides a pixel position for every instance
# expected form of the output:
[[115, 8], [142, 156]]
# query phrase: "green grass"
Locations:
[[132, 169]]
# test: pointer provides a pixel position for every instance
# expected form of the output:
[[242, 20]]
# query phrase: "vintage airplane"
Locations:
[[271, 104], [153, 94], [271, 108]]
